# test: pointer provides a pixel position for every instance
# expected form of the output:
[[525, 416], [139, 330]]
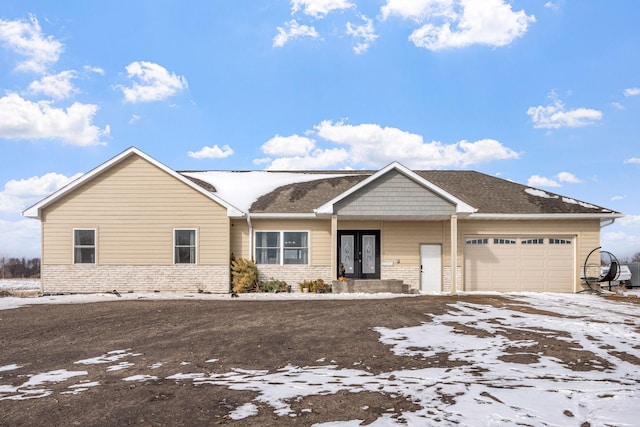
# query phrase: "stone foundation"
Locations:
[[294, 274], [90, 278], [369, 286]]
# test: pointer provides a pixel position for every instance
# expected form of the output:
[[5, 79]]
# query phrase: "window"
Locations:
[[504, 241], [184, 243], [296, 249], [554, 241], [532, 241], [84, 246], [477, 241], [282, 247]]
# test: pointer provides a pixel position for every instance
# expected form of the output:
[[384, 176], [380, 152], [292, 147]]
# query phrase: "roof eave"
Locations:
[[545, 216], [283, 215]]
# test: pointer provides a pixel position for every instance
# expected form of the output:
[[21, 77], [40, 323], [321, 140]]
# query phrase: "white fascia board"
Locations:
[[545, 216], [461, 207], [34, 211], [283, 216]]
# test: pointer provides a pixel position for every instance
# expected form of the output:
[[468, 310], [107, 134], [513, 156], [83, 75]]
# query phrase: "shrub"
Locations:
[[273, 285], [244, 275]]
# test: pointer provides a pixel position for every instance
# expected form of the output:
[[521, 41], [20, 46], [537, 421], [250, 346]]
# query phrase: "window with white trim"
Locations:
[[84, 246], [537, 241], [282, 247], [555, 241], [184, 246]]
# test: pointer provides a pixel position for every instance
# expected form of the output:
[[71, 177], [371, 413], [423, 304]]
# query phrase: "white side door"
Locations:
[[430, 268]]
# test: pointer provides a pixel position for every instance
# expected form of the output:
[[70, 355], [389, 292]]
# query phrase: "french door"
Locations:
[[359, 254]]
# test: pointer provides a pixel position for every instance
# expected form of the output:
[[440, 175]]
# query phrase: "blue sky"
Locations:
[[544, 93]]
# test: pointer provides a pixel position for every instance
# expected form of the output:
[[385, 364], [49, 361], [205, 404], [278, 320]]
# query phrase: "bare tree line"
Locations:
[[19, 268]]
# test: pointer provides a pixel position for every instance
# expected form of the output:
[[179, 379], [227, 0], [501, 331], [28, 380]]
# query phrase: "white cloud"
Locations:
[[213, 152], [319, 8], [552, 5], [460, 23], [364, 35], [24, 119], [26, 39], [633, 161], [152, 82], [623, 237], [20, 238], [375, 146], [633, 91], [617, 106], [317, 159], [630, 221], [292, 31], [134, 118], [96, 70], [618, 198], [293, 145], [57, 86], [370, 145], [568, 177], [18, 195], [418, 10], [554, 115], [541, 181]]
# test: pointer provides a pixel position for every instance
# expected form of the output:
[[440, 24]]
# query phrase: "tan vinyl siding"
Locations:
[[319, 235], [135, 206], [401, 240], [240, 239]]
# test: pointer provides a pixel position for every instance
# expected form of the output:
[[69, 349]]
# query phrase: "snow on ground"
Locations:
[[490, 390], [19, 284]]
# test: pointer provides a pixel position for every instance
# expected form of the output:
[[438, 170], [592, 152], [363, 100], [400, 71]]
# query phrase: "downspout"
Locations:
[[250, 236], [606, 222]]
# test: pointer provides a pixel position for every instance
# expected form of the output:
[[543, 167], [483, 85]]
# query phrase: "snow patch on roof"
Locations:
[[539, 193], [241, 189], [578, 202]]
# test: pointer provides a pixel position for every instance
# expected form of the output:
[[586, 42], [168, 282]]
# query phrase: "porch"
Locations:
[[370, 286]]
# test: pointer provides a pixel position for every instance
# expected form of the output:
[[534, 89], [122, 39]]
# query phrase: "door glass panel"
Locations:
[[368, 254], [346, 253]]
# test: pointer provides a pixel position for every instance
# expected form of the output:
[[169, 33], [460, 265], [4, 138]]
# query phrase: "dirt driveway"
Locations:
[[294, 362]]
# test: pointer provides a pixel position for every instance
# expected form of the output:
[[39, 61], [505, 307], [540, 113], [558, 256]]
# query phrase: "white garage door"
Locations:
[[539, 264]]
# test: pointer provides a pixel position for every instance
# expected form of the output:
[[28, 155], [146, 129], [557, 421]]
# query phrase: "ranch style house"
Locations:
[[135, 225]]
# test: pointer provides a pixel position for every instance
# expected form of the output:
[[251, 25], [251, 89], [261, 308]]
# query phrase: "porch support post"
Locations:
[[454, 254], [334, 247]]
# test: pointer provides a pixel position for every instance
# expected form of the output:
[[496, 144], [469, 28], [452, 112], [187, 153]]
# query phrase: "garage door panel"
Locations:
[[536, 265]]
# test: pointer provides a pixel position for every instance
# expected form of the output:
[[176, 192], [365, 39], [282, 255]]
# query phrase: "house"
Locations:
[[133, 224]]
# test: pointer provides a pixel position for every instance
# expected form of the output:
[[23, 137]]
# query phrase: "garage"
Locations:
[[505, 263]]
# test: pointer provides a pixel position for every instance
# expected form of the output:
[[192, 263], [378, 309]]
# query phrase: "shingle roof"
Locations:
[[488, 194]]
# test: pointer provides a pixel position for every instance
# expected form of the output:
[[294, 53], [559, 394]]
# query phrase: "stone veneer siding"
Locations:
[[446, 279], [294, 274], [138, 278], [409, 274]]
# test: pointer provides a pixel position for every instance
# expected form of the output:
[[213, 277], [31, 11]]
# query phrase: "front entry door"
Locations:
[[359, 254], [430, 268]]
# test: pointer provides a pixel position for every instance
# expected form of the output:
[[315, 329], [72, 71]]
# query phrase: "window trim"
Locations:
[[560, 241], [174, 246], [504, 241], [476, 241], [281, 247], [532, 241], [95, 245]]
